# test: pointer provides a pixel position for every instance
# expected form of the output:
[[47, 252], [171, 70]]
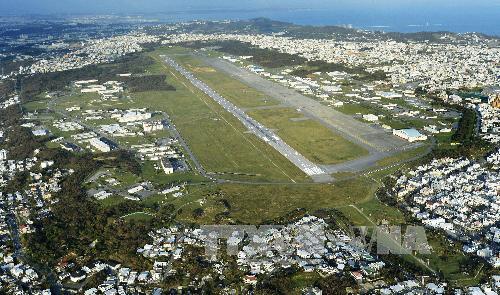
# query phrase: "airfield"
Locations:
[[378, 143]]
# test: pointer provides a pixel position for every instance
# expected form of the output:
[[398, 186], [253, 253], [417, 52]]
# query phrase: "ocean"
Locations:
[[482, 20]]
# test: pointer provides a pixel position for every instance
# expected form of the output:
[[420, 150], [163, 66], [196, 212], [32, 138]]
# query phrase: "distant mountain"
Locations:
[[268, 26]]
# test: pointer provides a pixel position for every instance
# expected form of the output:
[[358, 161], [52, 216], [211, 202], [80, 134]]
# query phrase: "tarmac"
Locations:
[[267, 135], [380, 143]]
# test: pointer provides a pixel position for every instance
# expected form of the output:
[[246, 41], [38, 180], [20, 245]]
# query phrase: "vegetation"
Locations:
[[264, 57], [313, 140], [34, 85], [6, 87], [21, 143], [322, 66], [148, 83], [230, 88], [220, 142], [266, 203], [466, 127], [78, 221]]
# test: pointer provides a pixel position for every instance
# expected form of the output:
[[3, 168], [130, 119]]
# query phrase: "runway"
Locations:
[[375, 140], [267, 135]]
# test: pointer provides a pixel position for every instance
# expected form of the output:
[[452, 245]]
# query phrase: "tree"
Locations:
[[336, 285], [198, 212]]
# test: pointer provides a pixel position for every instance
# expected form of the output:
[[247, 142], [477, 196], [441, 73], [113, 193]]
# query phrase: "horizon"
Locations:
[[387, 15]]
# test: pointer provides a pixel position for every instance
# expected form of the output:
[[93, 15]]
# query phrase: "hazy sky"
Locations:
[[145, 6], [395, 15]]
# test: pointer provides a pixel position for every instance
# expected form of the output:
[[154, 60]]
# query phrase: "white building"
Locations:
[[411, 135], [100, 145], [370, 118], [167, 166], [134, 116], [40, 132], [152, 126], [136, 189], [3, 155]]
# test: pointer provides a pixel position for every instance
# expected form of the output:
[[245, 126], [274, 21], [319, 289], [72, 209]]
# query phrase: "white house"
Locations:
[[411, 135], [167, 166], [100, 145]]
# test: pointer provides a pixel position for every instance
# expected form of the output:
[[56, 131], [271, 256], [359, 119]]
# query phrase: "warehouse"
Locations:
[[411, 135], [100, 145]]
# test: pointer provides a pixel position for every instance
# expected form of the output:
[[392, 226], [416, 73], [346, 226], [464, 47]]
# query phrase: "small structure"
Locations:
[[40, 132], [166, 165], [3, 155], [370, 118], [100, 145], [411, 135], [152, 126]]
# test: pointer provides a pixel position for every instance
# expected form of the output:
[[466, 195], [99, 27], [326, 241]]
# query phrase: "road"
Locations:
[[267, 135], [65, 114]]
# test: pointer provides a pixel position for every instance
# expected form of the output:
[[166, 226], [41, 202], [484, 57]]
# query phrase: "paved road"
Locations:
[[65, 114], [11, 221], [375, 140], [360, 164], [267, 135]]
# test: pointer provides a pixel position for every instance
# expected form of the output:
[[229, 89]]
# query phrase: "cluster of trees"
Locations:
[[77, 220], [21, 143], [466, 127], [264, 57], [281, 282], [6, 87], [385, 193], [399, 268], [148, 83], [135, 63], [322, 66]]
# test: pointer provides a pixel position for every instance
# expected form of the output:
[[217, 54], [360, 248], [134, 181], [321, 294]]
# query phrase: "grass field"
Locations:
[[138, 216], [219, 141], [232, 89], [315, 141], [255, 204], [309, 137], [354, 109]]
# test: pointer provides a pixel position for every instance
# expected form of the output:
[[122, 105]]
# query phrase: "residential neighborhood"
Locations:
[[168, 154]]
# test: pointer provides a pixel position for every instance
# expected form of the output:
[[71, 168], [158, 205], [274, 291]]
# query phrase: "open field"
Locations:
[[313, 140], [218, 140], [373, 139], [228, 87], [309, 137], [255, 204]]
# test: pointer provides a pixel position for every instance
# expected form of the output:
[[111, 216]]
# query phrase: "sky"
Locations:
[[395, 15], [165, 6]]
